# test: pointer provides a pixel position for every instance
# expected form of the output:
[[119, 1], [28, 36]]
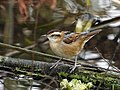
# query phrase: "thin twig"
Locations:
[[117, 48], [108, 64], [46, 84], [32, 51], [17, 52], [105, 23], [27, 50], [105, 71], [34, 36], [106, 60]]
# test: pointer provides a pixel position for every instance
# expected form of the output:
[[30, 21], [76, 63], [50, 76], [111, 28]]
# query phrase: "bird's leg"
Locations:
[[56, 63], [75, 64]]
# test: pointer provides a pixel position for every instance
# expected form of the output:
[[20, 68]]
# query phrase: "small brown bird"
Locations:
[[68, 46]]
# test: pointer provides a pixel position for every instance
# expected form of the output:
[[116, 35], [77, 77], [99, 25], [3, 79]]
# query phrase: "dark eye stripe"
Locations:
[[55, 35]]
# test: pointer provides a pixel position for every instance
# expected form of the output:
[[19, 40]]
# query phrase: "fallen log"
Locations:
[[98, 76]]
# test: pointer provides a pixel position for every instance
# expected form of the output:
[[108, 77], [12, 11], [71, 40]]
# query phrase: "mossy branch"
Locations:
[[42, 70]]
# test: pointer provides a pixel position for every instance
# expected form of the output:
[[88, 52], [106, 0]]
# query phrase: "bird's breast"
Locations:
[[64, 50]]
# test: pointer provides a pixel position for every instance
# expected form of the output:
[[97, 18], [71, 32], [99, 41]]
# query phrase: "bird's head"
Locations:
[[55, 36]]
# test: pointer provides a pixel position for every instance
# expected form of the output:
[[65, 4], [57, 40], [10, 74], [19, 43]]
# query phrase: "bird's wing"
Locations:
[[72, 37]]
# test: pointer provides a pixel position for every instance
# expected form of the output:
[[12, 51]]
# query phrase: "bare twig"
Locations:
[[109, 63], [32, 51], [26, 50], [117, 48], [17, 52], [106, 60], [106, 23]]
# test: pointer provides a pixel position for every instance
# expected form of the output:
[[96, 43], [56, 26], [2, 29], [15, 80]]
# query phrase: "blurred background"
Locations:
[[24, 23]]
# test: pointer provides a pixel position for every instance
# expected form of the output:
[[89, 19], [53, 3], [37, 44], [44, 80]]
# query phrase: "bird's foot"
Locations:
[[74, 67], [55, 64]]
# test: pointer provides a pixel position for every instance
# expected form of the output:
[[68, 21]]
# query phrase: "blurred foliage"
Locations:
[[74, 84], [42, 19], [73, 15]]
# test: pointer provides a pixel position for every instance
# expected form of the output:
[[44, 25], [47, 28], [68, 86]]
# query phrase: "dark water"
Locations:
[[8, 83]]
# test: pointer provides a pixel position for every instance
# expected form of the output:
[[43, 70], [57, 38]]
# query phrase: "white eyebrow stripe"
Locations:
[[56, 33]]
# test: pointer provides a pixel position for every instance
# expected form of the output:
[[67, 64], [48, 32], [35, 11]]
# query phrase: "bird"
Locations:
[[69, 45]]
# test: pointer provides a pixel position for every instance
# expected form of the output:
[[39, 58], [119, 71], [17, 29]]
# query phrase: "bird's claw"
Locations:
[[73, 69], [55, 64]]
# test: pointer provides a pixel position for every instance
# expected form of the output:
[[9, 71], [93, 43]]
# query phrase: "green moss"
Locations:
[[63, 74], [95, 78]]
